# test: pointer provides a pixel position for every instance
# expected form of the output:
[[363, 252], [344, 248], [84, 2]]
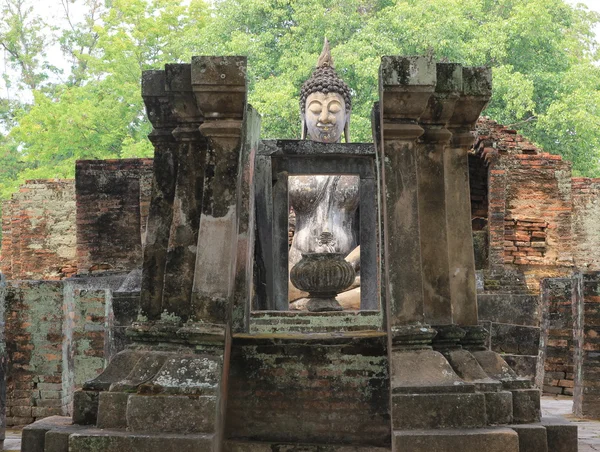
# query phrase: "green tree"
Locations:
[[543, 53]]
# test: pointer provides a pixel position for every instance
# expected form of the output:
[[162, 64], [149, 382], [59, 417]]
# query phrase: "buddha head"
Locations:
[[325, 103]]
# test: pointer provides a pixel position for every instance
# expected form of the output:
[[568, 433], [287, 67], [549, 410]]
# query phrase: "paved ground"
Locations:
[[589, 431]]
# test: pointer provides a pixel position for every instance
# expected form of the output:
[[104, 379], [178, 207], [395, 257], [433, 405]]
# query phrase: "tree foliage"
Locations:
[[543, 53]]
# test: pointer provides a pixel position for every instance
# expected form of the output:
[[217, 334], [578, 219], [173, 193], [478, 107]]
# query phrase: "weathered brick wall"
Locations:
[[34, 330], [55, 340], [586, 223], [586, 400], [112, 206], [529, 200], [286, 390], [558, 342], [38, 227]]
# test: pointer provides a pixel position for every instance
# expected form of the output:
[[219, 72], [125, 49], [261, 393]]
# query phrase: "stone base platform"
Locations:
[[58, 434]]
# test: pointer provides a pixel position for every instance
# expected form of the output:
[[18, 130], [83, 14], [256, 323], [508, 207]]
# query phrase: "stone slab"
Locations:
[[532, 437], [515, 339], [112, 410], [57, 440], [463, 440], [498, 407], [513, 309], [561, 434], [34, 435], [119, 441], [526, 406], [258, 446], [85, 407], [173, 414], [429, 411]]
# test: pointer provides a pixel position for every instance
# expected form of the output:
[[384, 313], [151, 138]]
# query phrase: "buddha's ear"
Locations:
[[347, 130], [303, 133]]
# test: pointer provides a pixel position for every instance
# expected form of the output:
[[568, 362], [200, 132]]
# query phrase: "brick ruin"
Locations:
[[71, 250], [535, 229], [67, 248]]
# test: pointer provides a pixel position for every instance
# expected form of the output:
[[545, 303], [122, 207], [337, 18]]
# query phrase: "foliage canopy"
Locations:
[[543, 53]]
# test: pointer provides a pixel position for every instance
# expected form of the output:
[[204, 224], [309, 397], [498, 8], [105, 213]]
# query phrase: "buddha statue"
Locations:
[[325, 207]]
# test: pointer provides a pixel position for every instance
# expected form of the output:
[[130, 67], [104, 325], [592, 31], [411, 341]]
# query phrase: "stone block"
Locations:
[[46, 411], [498, 407], [513, 309], [85, 407], [523, 365], [515, 339], [552, 389], [21, 411], [112, 410], [561, 434], [174, 414], [57, 440], [33, 438], [532, 437], [428, 411], [118, 441], [260, 446], [526, 406], [463, 440]]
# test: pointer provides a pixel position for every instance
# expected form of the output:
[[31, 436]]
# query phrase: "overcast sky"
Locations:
[[53, 12]]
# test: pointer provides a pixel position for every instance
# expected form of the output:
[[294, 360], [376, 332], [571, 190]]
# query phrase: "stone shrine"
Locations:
[[218, 362]]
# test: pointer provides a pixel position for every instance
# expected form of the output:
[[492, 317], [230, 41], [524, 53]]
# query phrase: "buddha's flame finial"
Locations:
[[325, 59]]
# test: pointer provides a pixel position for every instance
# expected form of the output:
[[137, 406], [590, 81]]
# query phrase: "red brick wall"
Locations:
[[112, 205], [38, 227], [586, 223], [529, 199]]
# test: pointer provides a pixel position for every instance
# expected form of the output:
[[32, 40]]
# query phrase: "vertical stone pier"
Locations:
[[160, 216], [432, 198], [474, 96]]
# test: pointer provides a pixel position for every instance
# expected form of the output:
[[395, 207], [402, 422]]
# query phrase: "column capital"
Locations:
[[405, 85], [219, 85], [183, 103], [158, 108], [475, 95]]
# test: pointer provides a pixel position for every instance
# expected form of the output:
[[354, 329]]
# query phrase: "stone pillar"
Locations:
[[432, 201], [476, 92], [405, 85], [220, 89], [181, 254], [426, 392], [163, 190]]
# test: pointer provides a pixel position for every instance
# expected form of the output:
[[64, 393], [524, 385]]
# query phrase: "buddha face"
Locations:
[[325, 117]]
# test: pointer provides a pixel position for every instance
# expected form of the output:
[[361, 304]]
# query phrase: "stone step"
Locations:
[[95, 440], [463, 440], [258, 446]]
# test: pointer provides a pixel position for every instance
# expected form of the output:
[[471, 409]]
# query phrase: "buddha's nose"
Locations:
[[326, 117]]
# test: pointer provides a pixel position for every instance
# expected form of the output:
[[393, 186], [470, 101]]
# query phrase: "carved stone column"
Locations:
[[405, 85], [163, 190], [181, 255], [476, 92], [432, 201], [220, 89]]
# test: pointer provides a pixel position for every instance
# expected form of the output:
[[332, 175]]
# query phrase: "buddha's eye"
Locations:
[[334, 107], [315, 108]]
